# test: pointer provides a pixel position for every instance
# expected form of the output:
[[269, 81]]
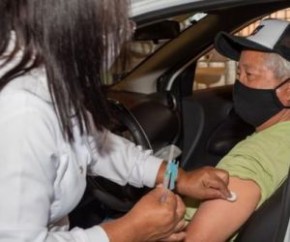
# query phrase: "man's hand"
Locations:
[[203, 183]]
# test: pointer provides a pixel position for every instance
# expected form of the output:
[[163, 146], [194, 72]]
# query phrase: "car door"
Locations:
[[208, 125], [156, 100]]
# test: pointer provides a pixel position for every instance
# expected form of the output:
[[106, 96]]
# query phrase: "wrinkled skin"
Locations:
[[157, 216], [204, 183]]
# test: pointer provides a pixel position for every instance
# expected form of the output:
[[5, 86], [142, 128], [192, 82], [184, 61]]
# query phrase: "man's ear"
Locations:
[[286, 94], [283, 93]]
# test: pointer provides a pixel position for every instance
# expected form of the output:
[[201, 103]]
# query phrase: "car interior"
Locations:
[[158, 103]]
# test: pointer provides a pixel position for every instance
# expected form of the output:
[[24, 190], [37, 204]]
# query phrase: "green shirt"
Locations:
[[263, 157]]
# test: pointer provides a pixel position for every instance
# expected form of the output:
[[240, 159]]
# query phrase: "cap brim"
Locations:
[[231, 46]]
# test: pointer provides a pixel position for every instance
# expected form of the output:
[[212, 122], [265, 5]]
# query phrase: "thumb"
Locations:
[[223, 175]]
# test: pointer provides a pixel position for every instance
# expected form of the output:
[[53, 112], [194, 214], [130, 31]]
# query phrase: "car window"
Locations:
[[148, 39], [216, 70], [140, 48]]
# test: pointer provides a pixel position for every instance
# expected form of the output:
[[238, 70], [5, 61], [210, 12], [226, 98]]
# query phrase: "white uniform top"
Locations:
[[42, 177]]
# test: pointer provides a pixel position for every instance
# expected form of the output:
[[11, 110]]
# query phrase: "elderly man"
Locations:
[[258, 164]]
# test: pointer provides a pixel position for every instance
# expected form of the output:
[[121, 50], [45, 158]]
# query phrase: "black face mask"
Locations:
[[256, 106]]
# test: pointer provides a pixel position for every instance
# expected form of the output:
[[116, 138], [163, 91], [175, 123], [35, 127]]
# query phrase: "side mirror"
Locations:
[[167, 29]]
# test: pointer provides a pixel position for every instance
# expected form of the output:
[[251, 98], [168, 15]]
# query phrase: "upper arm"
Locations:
[[216, 220]]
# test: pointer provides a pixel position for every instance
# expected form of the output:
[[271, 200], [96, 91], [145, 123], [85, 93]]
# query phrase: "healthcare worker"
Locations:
[[53, 128]]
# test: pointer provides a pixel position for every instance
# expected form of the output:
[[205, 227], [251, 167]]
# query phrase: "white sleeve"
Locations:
[[122, 161], [25, 234], [26, 181]]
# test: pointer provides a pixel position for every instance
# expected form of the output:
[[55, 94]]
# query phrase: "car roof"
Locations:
[[140, 7], [176, 54], [149, 8]]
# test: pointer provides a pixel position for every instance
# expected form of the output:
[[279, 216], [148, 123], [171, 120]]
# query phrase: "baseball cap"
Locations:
[[272, 35]]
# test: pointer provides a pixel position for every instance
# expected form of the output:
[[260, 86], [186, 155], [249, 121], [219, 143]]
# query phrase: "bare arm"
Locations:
[[202, 183], [216, 220]]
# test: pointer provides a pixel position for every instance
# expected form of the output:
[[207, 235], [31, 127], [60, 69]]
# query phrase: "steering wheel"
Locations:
[[118, 199], [104, 198]]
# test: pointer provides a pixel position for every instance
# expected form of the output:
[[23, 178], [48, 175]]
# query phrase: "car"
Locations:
[[176, 95]]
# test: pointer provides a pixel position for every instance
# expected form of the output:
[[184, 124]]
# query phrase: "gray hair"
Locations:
[[279, 66]]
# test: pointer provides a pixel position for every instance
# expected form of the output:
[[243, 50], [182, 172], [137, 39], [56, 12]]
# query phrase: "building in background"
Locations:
[[216, 70]]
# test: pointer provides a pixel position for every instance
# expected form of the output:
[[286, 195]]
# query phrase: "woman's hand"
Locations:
[[203, 183], [179, 233], [158, 215]]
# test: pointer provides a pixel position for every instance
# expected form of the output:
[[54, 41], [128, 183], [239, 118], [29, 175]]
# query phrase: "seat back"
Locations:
[[269, 223]]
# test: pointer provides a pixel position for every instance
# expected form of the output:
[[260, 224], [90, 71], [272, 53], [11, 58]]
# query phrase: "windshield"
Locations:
[[149, 38]]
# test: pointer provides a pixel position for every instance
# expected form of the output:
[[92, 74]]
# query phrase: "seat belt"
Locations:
[[269, 222], [283, 226]]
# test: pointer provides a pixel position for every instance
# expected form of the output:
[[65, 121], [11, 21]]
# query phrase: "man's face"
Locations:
[[253, 71], [258, 98]]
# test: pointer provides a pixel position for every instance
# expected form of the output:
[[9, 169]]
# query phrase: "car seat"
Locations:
[[269, 223]]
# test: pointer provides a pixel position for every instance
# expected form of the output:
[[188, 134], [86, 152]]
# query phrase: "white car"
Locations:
[[178, 91]]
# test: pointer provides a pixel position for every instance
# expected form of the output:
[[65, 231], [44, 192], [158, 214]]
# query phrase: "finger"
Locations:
[[216, 189], [168, 198], [160, 194], [218, 184], [224, 175], [215, 182], [180, 207], [158, 191], [180, 236], [181, 226], [160, 185], [213, 194]]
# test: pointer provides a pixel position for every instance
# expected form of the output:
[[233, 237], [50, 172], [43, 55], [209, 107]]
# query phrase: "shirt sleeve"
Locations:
[[121, 161], [23, 233], [27, 176], [263, 158]]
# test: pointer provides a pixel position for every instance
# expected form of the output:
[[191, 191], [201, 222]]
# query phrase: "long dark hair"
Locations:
[[71, 40]]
